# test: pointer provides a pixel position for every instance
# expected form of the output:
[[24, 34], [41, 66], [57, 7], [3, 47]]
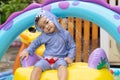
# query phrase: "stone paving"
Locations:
[[8, 59]]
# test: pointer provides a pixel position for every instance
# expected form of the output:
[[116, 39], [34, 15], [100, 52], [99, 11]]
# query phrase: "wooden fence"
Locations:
[[86, 35]]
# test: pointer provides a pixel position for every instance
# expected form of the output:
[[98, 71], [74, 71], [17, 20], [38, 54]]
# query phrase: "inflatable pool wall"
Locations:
[[97, 11], [96, 69]]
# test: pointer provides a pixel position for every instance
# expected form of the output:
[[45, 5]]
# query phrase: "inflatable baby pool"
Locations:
[[76, 71], [97, 68]]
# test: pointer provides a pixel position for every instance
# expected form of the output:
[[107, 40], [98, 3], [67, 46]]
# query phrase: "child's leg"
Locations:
[[35, 75], [39, 67], [62, 73], [61, 66]]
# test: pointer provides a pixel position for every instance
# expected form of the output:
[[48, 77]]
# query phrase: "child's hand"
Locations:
[[68, 60], [24, 54]]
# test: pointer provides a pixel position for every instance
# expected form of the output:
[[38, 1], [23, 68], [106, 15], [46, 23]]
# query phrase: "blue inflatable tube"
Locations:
[[7, 75], [102, 16]]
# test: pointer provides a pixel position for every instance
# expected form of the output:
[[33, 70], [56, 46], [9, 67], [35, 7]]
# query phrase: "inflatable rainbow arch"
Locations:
[[96, 11]]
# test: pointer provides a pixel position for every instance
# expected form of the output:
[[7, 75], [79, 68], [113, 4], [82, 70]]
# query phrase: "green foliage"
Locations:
[[102, 64], [7, 7]]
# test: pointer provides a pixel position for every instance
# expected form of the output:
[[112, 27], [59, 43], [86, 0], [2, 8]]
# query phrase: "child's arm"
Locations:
[[71, 48], [24, 54], [32, 47], [30, 50], [68, 60], [35, 44]]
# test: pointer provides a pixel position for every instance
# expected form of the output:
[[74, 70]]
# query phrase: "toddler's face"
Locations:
[[47, 25]]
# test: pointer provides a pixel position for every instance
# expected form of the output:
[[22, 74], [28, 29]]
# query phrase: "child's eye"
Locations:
[[47, 22]]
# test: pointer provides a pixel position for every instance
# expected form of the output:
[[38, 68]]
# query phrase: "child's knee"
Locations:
[[60, 62], [37, 69], [43, 64], [62, 66]]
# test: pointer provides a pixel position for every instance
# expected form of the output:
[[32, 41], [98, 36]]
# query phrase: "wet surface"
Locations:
[[8, 59]]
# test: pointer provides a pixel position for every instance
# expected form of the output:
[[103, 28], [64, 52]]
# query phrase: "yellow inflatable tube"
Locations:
[[27, 37], [76, 71]]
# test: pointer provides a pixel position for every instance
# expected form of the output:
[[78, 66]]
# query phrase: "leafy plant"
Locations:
[[7, 7]]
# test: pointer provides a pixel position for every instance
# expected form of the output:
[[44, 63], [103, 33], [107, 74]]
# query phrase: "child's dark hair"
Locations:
[[37, 19], [36, 22]]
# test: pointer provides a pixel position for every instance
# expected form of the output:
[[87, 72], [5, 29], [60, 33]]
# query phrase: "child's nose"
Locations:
[[48, 27]]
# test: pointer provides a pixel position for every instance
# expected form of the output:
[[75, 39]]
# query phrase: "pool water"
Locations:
[[116, 73], [7, 75], [10, 77]]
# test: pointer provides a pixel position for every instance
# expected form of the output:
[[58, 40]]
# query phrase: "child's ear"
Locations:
[[37, 19], [58, 20]]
